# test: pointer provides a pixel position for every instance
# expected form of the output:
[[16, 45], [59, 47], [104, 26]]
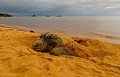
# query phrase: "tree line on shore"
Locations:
[[5, 15]]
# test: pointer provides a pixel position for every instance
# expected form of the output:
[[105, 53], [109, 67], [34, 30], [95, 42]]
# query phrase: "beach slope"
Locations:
[[18, 59]]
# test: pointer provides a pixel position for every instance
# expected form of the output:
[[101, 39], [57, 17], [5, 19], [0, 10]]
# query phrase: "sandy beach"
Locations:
[[18, 59]]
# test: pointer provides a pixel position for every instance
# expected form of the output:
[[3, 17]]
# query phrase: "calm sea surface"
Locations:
[[84, 26]]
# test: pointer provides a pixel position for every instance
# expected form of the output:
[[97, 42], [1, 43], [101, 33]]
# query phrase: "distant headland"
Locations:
[[5, 15]]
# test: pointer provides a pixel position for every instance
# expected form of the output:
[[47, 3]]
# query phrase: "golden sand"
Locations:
[[18, 59]]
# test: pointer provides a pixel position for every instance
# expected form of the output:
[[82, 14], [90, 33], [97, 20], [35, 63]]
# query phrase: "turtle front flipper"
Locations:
[[58, 51]]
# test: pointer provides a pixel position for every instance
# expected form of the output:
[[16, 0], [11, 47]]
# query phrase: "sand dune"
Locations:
[[18, 59]]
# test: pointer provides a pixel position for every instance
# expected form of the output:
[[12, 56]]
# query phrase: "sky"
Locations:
[[61, 7]]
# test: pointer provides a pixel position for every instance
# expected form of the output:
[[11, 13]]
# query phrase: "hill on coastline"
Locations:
[[5, 15]]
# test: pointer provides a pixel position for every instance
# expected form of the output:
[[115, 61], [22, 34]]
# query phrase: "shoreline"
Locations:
[[98, 36], [17, 27]]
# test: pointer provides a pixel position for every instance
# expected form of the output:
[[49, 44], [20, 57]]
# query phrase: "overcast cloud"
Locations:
[[60, 7]]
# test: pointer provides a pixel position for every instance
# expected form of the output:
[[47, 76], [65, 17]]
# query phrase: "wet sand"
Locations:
[[18, 59]]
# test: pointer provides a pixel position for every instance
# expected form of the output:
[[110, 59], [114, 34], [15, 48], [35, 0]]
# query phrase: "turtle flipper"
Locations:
[[58, 51]]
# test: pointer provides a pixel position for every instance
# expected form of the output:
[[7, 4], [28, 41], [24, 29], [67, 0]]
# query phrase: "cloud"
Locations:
[[62, 7]]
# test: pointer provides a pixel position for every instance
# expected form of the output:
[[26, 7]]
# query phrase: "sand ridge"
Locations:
[[18, 59]]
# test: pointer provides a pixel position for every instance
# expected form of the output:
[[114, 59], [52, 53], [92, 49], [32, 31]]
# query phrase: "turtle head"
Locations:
[[40, 45]]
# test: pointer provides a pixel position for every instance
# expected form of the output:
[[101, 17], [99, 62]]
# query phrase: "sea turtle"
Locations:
[[59, 44]]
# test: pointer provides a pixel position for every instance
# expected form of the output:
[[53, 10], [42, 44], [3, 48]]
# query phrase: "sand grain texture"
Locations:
[[18, 59]]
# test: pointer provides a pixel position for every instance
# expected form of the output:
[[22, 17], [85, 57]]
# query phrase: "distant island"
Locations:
[[47, 16], [33, 15], [5, 15], [58, 16]]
